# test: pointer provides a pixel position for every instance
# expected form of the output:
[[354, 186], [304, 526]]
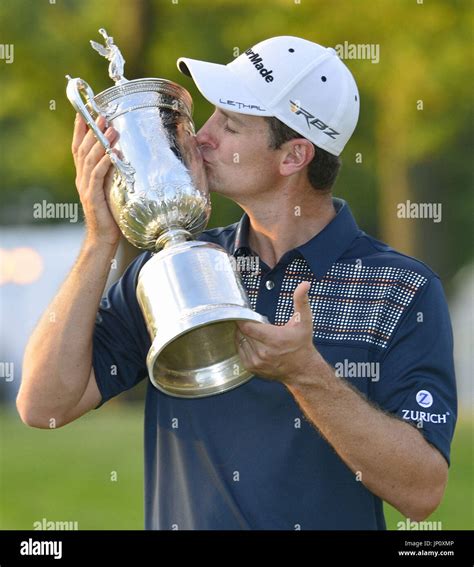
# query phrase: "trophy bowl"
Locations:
[[188, 291], [168, 188]]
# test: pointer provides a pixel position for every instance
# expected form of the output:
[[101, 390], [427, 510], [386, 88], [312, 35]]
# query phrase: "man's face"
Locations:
[[239, 163]]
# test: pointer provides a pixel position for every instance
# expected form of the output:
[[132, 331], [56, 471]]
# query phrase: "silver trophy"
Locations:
[[189, 292]]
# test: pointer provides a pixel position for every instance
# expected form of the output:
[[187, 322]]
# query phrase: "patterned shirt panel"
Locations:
[[351, 303]]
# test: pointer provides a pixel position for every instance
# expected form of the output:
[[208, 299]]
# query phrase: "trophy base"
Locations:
[[202, 361], [191, 298]]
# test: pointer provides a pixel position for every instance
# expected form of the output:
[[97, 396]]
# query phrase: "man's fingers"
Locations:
[[96, 153], [80, 130], [89, 139], [244, 348], [83, 133], [84, 141], [108, 179], [98, 174], [302, 309], [261, 332]]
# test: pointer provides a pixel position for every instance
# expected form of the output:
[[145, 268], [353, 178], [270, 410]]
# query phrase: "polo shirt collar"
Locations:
[[323, 249]]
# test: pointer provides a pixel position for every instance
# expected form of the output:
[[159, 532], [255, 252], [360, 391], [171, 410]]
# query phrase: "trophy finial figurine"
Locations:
[[111, 52]]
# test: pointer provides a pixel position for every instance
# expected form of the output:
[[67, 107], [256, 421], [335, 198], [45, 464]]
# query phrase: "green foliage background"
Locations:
[[425, 55]]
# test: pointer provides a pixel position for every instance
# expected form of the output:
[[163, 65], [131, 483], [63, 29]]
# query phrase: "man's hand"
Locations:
[[280, 352], [94, 173]]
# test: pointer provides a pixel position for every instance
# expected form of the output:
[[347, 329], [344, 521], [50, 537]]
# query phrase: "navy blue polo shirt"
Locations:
[[249, 458]]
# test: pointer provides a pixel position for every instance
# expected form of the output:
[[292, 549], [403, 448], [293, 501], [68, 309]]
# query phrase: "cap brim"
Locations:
[[219, 85]]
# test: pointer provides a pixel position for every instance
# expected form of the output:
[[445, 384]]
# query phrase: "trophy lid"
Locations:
[[160, 93], [170, 95]]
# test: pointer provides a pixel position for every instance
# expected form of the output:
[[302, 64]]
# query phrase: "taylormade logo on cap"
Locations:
[[303, 84], [258, 64]]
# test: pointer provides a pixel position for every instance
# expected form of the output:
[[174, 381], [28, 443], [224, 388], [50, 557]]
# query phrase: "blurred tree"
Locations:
[[414, 135]]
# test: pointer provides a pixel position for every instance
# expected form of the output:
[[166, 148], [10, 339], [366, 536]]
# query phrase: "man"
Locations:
[[354, 398]]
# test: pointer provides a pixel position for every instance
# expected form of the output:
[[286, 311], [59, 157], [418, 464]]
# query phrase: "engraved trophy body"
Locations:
[[188, 291]]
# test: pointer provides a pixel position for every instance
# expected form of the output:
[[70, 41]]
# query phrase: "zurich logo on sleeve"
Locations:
[[424, 399]]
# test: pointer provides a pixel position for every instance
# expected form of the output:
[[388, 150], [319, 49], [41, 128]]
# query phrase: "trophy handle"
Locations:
[[73, 91]]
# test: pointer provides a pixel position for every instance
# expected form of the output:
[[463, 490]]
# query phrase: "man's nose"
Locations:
[[204, 136]]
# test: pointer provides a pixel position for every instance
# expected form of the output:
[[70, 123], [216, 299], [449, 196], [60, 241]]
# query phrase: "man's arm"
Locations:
[[58, 382], [58, 358], [394, 460]]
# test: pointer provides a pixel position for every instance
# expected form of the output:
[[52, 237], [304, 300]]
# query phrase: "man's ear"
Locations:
[[296, 155]]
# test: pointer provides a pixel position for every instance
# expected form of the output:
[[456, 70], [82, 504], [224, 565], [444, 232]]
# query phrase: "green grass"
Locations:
[[66, 474], [456, 511]]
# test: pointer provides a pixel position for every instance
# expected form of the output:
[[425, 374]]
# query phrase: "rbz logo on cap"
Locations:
[[257, 62], [319, 124], [424, 399]]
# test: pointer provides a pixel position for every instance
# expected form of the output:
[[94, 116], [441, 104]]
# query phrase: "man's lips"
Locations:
[[201, 151]]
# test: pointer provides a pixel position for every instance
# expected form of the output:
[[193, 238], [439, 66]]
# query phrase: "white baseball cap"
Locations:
[[301, 83]]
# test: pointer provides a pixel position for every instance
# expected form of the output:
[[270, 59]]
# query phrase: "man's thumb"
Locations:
[[301, 304]]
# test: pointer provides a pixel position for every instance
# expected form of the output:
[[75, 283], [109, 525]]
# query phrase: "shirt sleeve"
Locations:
[[417, 381], [121, 341]]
